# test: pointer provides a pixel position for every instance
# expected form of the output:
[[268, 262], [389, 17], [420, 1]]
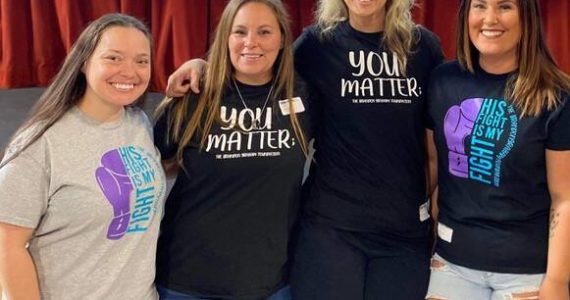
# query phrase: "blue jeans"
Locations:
[[450, 281], [168, 294]]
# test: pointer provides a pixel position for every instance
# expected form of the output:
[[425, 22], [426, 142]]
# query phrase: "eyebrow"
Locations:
[[500, 2], [243, 26], [122, 53]]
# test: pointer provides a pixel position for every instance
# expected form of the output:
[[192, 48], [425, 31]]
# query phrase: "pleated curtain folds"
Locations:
[[35, 35]]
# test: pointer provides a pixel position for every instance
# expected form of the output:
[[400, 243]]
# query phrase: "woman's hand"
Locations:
[[187, 76]]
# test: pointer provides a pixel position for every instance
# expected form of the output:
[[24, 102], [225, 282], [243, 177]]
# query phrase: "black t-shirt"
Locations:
[[227, 220], [370, 153], [493, 194]]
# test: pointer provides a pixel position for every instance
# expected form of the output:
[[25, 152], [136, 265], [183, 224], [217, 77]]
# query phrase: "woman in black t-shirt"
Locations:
[[240, 146], [365, 229], [501, 126]]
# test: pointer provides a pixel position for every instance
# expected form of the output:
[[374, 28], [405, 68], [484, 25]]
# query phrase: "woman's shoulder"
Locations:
[[448, 68], [310, 32], [563, 104], [20, 149], [136, 118], [320, 34], [426, 38], [422, 31], [137, 113]]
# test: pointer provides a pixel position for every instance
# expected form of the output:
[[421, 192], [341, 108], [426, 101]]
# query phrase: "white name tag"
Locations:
[[444, 232], [424, 211], [297, 106]]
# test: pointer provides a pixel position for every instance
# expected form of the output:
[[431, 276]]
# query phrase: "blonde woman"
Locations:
[[365, 230]]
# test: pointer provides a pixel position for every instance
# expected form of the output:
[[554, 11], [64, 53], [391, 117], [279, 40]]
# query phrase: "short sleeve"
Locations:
[[310, 101], [431, 42], [436, 50], [305, 48], [161, 134], [430, 101], [559, 127], [24, 185]]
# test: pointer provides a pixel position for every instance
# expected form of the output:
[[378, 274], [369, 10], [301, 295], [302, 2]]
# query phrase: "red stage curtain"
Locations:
[[35, 35]]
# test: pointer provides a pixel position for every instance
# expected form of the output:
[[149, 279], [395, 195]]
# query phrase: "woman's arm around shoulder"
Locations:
[[186, 77]]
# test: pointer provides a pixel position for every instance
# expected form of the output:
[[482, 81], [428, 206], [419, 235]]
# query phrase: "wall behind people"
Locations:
[[36, 35]]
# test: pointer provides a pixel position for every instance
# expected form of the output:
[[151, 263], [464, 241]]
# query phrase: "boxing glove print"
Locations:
[[116, 185], [457, 127]]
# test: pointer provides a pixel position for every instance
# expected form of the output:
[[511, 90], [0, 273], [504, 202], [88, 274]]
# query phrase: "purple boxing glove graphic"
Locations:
[[457, 126], [116, 185]]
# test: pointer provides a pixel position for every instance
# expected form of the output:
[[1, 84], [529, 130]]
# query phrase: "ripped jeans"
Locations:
[[452, 282]]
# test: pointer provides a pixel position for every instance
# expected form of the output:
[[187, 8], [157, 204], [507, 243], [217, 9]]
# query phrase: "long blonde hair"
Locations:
[[218, 76], [69, 84], [538, 81], [398, 25]]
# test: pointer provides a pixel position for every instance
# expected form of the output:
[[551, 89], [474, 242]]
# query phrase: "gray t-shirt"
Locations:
[[94, 194]]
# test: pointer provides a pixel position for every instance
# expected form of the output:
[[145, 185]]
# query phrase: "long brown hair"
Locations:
[[69, 84], [398, 26], [218, 76], [537, 83]]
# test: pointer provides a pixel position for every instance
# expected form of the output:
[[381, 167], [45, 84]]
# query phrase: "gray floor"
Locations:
[[15, 104]]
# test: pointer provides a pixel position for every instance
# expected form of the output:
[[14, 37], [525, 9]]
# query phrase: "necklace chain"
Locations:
[[256, 120]]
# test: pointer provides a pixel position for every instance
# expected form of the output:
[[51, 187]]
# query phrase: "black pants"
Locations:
[[332, 264]]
